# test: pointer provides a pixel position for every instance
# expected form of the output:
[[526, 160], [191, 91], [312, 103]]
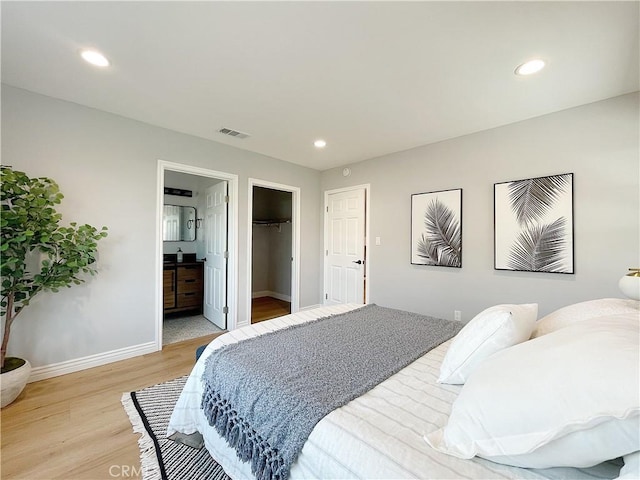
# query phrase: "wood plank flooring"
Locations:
[[266, 308], [74, 427]]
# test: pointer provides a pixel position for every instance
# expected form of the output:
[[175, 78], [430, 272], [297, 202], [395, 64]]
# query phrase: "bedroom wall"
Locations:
[[106, 166], [598, 142]]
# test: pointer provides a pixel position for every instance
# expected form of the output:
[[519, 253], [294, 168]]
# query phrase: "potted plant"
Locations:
[[36, 254]]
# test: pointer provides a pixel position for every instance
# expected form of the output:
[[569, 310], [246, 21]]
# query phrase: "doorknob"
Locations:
[[359, 262]]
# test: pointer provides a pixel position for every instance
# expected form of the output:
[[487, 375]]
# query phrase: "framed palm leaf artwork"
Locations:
[[436, 228], [533, 221]]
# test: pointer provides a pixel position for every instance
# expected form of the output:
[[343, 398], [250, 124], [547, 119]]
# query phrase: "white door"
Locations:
[[171, 222], [345, 265], [215, 267]]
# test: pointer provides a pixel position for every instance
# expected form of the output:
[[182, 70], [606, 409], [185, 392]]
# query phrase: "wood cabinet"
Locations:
[[169, 288], [183, 287]]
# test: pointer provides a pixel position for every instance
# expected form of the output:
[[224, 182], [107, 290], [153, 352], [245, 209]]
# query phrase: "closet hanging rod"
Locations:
[[270, 223]]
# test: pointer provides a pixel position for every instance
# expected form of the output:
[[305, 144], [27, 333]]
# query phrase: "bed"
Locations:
[[380, 434]]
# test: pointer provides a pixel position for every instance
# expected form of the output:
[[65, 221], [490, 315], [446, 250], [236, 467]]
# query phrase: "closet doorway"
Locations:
[[273, 247]]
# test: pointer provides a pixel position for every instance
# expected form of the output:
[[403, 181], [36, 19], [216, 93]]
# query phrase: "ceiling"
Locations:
[[371, 78]]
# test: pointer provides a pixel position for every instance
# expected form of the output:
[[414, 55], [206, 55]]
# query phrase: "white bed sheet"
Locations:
[[376, 436]]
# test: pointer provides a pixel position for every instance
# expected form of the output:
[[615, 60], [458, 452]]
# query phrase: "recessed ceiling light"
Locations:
[[320, 143], [94, 58], [532, 66]]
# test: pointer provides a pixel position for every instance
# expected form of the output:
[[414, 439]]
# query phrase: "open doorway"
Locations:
[[197, 233], [273, 250]]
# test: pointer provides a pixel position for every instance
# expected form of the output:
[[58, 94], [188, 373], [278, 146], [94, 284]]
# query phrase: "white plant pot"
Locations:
[[13, 382]]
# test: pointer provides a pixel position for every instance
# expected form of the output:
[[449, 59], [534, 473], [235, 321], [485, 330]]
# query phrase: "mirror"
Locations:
[[178, 224]]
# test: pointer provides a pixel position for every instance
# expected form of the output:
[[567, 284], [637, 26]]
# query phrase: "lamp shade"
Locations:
[[630, 284]]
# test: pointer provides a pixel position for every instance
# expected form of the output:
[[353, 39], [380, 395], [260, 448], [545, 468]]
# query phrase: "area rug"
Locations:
[[149, 411], [184, 328]]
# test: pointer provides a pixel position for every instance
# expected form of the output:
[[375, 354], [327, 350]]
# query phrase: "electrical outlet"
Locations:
[[457, 315]]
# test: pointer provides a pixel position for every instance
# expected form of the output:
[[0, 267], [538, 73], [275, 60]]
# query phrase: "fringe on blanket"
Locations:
[[266, 461], [148, 455]]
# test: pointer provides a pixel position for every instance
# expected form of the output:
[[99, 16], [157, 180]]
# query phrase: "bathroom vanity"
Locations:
[[183, 284]]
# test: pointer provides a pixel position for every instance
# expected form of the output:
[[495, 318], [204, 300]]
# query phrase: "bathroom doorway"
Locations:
[[198, 272], [273, 247]]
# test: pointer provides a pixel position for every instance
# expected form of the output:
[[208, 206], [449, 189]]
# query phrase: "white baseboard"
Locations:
[[264, 293], [75, 365], [267, 293], [310, 307]]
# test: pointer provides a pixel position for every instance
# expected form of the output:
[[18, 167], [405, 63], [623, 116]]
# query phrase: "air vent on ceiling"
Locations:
[[233, 133]]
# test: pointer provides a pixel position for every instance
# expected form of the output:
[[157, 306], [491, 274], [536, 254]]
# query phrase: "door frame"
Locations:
[[232, 239], [367, 236], [295, 240]]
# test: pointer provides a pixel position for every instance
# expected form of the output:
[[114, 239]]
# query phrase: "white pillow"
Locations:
[[631, 469], [569, 398], [578, 312], [490, 331]]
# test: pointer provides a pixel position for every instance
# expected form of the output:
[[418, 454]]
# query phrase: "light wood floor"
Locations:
[[265, 308], [74, 426]]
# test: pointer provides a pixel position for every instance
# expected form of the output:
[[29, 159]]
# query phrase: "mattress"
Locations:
[[378, 435]]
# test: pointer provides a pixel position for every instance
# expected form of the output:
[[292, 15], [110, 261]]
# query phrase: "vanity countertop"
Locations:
[[173, 264], [170, 260]]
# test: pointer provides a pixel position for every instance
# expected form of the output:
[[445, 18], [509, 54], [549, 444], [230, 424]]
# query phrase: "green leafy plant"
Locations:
[[36, 252]]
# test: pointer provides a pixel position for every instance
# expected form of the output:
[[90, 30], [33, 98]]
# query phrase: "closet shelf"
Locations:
[[270, 223]]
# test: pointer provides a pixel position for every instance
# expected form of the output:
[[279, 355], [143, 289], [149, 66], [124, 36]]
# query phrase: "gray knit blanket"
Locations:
[[265, 395]]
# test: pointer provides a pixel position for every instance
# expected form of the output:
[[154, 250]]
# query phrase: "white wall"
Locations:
[[271, 269], [597, 142], [272, 252], [260, 256], [280, 252], [106, 166]]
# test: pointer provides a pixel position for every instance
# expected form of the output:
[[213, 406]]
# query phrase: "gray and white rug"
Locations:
[[149, 411]]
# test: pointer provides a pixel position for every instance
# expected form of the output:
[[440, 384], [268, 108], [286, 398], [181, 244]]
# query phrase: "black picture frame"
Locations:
[[533, 224], [436, 228]]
